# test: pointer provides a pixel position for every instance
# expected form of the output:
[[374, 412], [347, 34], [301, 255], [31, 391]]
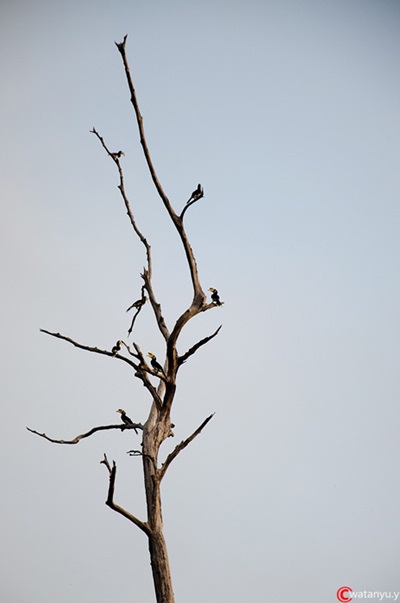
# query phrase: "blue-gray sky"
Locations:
[[287, 111]]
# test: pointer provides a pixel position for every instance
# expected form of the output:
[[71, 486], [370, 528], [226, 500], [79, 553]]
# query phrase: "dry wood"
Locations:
[[157, 427], [78, 438]]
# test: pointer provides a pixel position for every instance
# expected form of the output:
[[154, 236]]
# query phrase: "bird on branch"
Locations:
[[125, 419], [196, 195], [117, 155], [138, 303], [215, 297], [156, 365], [117, 347]]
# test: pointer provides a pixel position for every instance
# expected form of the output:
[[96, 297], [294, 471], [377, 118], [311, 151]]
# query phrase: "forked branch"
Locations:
[[110, 498]]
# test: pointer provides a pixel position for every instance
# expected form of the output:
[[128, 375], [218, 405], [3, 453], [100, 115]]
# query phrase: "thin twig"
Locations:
[[143, 455]]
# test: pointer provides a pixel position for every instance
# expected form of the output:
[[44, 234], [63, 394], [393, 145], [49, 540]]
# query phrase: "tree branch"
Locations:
[[156, 306], [110, 498], [197, 345], [90, 348], [146, 276], [125, 198], [181, 446], [80, 437], [143, 455], [138, 305], [140, 370], [189, 204], [139, 119], [199, 295]]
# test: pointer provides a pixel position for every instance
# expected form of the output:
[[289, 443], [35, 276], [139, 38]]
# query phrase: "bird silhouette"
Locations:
[[197, 194], [215, 297]]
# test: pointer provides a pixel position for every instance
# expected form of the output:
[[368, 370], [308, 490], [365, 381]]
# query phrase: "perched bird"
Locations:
[[138, 304], [117, 347], [117, 155], [124, 417], [197, 194], [215, 297], [156, 365]]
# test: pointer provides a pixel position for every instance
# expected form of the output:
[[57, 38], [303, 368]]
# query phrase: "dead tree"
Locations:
[[157, 427]]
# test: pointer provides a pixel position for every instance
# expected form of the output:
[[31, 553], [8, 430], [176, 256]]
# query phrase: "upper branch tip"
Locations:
[[121, 45]]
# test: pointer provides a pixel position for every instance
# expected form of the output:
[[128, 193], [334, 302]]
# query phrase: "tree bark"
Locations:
[[154, 433], [160, 568]]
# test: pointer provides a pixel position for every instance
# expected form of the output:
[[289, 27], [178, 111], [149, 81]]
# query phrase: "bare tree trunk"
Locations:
[[157, 427], [160, 568], [153, 436]]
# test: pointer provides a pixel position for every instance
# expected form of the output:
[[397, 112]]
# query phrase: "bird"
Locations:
[[117, 347], [215, 297], [138, 303], [117, 155], [197, 194], [156, 365], [124, 417]]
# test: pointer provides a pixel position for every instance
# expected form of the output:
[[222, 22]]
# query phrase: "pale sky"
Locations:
[[287, 112]]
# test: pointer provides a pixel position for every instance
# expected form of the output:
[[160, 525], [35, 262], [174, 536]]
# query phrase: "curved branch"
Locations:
[[80, 437], [197, 345], [180, 447], [121, 187], [110, 499], [189, 204]]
